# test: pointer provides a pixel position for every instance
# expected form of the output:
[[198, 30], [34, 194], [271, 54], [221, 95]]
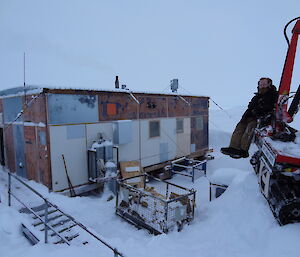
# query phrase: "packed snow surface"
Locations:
[[237, 224], [291, 149]]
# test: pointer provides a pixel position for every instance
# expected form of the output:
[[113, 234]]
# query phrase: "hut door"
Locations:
[[19, 150]]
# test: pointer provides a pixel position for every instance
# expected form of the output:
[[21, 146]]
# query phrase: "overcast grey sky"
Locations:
[[215, 48]]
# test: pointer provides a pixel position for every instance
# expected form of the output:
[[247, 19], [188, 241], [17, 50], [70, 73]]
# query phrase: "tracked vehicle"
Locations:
[[277, 161]]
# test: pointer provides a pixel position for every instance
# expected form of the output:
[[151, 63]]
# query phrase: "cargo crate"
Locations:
[[158, 206]]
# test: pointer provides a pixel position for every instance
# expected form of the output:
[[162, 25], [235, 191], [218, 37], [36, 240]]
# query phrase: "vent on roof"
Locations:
[[117, 84]]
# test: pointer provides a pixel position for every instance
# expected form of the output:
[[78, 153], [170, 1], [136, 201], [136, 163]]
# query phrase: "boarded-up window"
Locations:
[[111, 109], [42, 135], [179, 125], [199, 123], [154, 128]]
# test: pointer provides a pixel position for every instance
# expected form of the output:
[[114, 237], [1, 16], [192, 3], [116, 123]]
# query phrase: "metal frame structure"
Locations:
[[45, 220], [158, 206], [192, 165]]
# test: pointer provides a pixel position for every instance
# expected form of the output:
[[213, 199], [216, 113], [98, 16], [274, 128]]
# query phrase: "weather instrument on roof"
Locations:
[[174, 85]]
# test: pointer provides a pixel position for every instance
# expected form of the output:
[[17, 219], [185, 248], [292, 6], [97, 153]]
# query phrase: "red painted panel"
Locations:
[[111, 109], [288, 159], [126, 107]]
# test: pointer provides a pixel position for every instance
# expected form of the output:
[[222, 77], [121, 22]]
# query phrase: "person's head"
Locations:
[[264, 84]]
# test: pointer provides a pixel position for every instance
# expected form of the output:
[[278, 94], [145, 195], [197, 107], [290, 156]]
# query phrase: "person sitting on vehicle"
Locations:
[[262, 107]]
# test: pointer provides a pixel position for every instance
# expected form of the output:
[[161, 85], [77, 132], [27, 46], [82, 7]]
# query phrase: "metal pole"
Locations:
[[167, 191], [138, 118], [166, 217], [193, 174], [46, 221], [194, 203], [9, 189], [116, 253], [117, 193], [25, 98]]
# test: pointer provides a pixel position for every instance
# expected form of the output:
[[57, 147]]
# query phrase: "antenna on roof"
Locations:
[[24, 73]]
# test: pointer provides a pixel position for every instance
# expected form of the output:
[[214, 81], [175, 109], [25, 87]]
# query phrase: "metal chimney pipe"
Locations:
[[117, 84]]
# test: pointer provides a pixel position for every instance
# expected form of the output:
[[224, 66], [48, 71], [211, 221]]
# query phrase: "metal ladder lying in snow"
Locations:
[[61, 228], [50, 221]]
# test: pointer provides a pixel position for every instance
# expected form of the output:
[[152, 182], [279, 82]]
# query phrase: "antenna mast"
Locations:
[[24, 73]]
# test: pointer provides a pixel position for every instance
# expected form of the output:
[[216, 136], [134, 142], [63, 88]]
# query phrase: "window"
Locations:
[[179, 125], [199, 123], [154, 128]]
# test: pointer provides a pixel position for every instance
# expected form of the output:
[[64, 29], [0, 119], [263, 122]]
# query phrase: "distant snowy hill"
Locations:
[[238, 224], [221, 125]]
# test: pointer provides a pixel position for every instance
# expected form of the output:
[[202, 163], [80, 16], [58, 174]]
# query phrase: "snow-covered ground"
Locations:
[[238, 224]]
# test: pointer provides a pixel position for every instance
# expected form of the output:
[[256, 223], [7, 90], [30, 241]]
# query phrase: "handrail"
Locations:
[[41, 219], [48, 203]]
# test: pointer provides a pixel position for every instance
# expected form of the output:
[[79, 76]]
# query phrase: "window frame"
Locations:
[[152, 121], [179, 130], [199, 121]]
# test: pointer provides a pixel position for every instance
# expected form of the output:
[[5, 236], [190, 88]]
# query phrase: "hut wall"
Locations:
[[70, 141], [25, 139]]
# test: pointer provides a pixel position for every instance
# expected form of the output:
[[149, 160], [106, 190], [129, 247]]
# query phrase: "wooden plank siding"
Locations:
[[126, 107], [31, 153], [37, 161], [36, 112], [36, 144], [177, 107], [9, 149], [1, 105]]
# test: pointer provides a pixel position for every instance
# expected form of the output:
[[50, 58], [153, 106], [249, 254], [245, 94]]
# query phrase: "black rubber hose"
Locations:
[[285, 28]]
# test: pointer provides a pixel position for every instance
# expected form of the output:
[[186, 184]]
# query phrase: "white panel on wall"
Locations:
[[151, 149], [93, 130], [169, 136], [122, 132], [193, 148], [184, 139], [74, 151], [130, 151]]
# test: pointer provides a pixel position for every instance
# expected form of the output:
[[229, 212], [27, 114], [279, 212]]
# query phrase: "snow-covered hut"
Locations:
[[41, 125]]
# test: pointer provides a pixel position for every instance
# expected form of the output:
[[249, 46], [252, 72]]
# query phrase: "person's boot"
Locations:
[[244, 154], [240, 154], [230, 151]]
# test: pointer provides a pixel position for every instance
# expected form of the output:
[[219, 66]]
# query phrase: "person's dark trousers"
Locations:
[[243, 133]]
